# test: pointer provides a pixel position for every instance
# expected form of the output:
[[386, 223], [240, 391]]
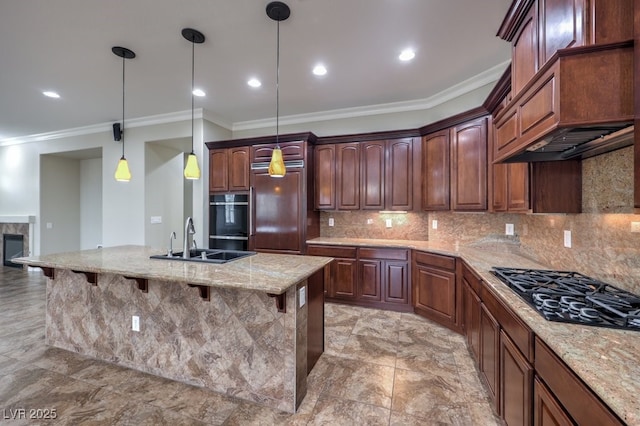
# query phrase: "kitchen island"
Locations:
[[251, 328]]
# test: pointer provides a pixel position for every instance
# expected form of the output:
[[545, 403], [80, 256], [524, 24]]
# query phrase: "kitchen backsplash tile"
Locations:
[[603, 245]]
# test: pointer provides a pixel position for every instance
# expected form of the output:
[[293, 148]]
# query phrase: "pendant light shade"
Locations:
[[192, 170], [278, 11], [122, 174]]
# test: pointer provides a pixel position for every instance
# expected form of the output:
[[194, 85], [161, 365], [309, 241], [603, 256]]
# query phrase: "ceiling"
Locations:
[[65, 46]]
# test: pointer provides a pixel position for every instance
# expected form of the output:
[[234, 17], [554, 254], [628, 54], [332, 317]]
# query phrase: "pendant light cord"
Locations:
[[122, 131], [193, 66], [278, 87]]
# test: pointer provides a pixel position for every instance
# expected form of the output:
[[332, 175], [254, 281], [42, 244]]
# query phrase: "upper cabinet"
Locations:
[[229, 169], [366, 175], [454, 167], [571, 79]]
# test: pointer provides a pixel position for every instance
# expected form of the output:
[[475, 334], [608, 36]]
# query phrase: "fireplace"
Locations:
[[12, 246]]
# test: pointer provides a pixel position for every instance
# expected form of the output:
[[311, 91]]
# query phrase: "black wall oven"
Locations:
[[229, 221]]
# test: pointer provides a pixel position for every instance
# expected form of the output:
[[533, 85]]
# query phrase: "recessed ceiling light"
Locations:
[[407, 55], [51, 94], [199, 92], [319, 69], [254, 82]]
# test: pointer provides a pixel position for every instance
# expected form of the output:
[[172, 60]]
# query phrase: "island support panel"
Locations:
[[237, 343]]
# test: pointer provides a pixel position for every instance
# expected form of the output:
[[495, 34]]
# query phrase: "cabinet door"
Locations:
[[499, 189], [516, 384], [396, 282], [344, 276], [560, 24], [369, 280], [276, 212], [524, 52], [239, 168], [469, 166], [218, 171], [471, 303], [435, 293], [325, 177], [490, 353], [373, 175], [348, 176], [399, 175], [435, 169], [547, 411], [518, 186]]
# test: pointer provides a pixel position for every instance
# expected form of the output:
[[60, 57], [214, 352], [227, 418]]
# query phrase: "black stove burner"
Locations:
[[572, 297]]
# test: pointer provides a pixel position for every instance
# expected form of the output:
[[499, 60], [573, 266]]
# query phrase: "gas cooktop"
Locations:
[[572, 297]]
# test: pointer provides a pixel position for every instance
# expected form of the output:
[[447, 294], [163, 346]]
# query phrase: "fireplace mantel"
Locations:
[[17, 219]]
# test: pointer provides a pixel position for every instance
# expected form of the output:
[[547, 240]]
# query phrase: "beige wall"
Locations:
[[603, 245]]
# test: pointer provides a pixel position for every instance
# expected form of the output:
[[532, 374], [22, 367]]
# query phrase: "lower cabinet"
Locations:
[[516, 378], [547, 411], [471, 306], [435, 292], [366, 276], [490, 354]]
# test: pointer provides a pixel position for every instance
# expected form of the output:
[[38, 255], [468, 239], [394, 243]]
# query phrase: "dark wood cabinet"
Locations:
[[454, 167], [435, 291], [435, 166], [547, 411], [524, 52], [469, 166], [229, 169], [325, 177], [490, 354], [510, 187], [368, 276], [576, 399], [471, 307], [386, 169], [343, 270], [348, 176], [516, 384]]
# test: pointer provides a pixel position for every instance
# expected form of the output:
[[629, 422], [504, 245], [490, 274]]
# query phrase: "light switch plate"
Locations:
[[567, 239], [302, 296], [156, 219], [135, 323], [389, 223], [508, 229], [434, 224], [331, 221]]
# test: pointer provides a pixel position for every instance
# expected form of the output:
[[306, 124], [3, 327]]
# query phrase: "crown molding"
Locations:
[[489, 76]]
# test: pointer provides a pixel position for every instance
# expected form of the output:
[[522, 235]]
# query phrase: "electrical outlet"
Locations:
[[434, 224], [135, 323], [567, 239], [635, 226], [331, 221], [302, 296], [369, 221], [508, 229], [389, 223], [49, 225]]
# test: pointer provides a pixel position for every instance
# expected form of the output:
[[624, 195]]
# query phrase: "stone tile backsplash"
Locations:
[[603, 245]]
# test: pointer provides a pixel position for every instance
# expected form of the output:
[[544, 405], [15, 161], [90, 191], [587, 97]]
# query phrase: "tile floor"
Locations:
[[379, 368]]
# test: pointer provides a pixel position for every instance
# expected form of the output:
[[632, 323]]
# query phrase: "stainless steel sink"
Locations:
[[207, 255]]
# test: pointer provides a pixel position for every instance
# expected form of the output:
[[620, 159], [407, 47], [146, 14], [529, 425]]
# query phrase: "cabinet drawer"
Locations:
[[470, 277], [383, 253], [332, 251], [579, 401], [444, 262], [518, 331]]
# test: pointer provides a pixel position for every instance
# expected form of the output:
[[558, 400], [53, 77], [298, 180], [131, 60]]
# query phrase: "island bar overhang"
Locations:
[[238, 342]]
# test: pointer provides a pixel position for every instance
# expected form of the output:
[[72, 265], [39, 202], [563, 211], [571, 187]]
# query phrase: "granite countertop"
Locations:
[[270, 273], [605, 359]]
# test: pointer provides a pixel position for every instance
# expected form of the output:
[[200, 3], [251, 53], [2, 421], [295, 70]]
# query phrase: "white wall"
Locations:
[[90, 203], [164, 195], [59, 204]]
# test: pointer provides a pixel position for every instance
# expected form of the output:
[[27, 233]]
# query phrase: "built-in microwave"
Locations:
[[229, 221]]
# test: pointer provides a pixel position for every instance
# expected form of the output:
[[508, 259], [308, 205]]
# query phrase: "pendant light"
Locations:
[[277, 11], [122, 170], [191, 170]]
